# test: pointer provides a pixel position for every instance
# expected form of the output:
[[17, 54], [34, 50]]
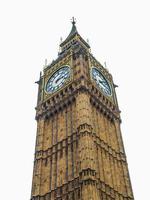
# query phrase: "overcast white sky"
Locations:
[[30, 31]]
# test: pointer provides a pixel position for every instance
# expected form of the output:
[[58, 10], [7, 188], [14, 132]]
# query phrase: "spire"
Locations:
[[74, 29], [73, 21], [72, 33]]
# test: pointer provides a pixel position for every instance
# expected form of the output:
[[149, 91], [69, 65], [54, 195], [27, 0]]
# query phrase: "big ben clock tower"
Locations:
[[79, 153]]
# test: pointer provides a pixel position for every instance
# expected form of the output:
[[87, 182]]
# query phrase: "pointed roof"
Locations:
[[72, 33], [73, 30]]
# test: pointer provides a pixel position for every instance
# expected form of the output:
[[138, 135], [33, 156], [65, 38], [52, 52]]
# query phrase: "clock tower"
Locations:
[[79, 153]]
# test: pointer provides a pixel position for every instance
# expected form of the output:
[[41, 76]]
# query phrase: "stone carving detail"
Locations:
[[79, 153]]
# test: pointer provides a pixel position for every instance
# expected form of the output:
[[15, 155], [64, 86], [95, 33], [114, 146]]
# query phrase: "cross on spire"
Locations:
[[73, 20]]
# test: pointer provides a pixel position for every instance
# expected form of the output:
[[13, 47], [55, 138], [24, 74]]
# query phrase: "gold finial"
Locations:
[[105, 65], [40, 74], [61, 39], [45, 63]]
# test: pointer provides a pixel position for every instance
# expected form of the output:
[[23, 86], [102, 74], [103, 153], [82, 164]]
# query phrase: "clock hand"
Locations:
[[101, 81], [103, 84], [59, 79]]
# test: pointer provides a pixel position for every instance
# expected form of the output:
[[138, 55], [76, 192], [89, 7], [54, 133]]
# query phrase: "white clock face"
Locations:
[[58, 79], [101, 81]]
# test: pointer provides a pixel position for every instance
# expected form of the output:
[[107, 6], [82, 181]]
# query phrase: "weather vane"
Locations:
[[73, 20]]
